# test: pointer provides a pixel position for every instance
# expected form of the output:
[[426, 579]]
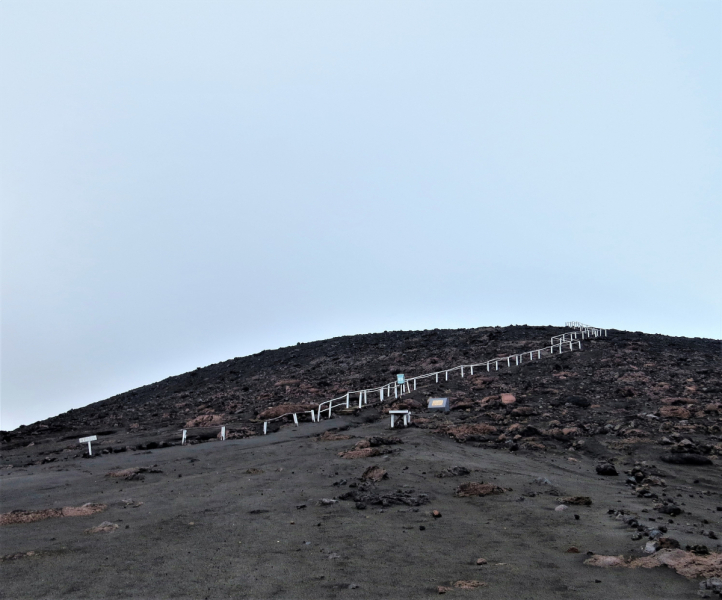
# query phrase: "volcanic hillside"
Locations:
[[629, 385], [593, 473]]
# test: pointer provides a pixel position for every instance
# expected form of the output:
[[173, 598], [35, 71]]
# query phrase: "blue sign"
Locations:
[[400, 379]]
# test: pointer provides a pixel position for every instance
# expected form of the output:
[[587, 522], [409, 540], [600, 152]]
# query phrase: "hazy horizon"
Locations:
[[186, 182]]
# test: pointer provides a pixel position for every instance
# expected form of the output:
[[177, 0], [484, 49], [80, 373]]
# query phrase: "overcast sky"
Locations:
[[186, 182]]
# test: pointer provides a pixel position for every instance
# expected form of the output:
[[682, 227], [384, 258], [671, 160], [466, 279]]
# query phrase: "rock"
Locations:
[[436, 514], [374, 473], [508, 399], [468, 585], [473, 488], [253, 471], [576, 500], [327, 501], [573, 550], [31, 516], [606, 469], [561, 508], [443, 589], [104, 527], [599, 560], [676, 412], [366, 494], [686, 459], [481, 561], [454, 472]]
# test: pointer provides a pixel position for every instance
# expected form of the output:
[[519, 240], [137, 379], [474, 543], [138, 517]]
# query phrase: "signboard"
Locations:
[[400, 379], [90, 438], [438, 404]]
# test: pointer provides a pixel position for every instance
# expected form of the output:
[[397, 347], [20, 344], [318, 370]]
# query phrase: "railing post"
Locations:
[[295, 419], [265, 427], [183, 439], [414, 384], [348, 399]]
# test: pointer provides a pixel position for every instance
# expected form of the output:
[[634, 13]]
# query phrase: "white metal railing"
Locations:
[[584, 330], [361, 397]]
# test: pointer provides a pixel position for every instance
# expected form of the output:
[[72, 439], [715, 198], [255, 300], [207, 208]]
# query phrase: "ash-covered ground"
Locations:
[[588, 474]]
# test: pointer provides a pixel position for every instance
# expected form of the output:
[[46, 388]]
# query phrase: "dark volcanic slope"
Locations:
[[619, 376], [543, 472]]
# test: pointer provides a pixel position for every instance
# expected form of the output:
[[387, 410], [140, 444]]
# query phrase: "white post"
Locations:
[[392, 421], [360, 398], [517, 360], [295, 419], [570, 346], [539, 355], [508, 361], [223, 433], [396, 393], [183, 439], [487, 367], [437, 378], [90, 449], [462, 371], [447, 376], [497, 365], [313, 416], [348, 398], [382, 394], [265, 427], [330, 402], [414, 384], [472, 369]]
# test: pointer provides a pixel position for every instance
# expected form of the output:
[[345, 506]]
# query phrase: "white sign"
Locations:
[[90, 438]]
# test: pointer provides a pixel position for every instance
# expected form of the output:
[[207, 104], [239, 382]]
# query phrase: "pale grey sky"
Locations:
[[185, 182]]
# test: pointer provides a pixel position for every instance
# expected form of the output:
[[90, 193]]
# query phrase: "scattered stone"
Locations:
[[31, 516], [436, 514], [473, 488], [576, 500], [468, 585], [443, 589], [132, 473], [572, 550], [606, 469], [104, 527], [454, 472], [561, 508], [328, 436], [374, 473], [686, 459], [481, 561], [327, 501], [253, 471], [366, 494], [687, 564]]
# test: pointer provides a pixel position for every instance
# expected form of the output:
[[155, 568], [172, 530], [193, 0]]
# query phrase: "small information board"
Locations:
[[400, 380], [441, 404]]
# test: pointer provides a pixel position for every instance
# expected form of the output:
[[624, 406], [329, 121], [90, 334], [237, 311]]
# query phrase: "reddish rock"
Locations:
[[508, 399], [676, 412]]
